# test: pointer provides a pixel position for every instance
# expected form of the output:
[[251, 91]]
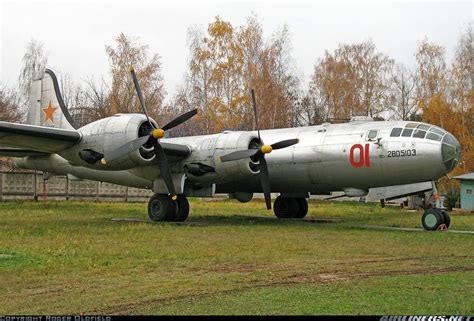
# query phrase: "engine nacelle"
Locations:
[[228, 142], [103, 136]]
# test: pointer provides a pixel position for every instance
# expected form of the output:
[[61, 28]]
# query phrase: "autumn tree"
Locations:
[[461, 95], [431, 72], [34, 62], [126, 53], [353, 81], [225, 63]]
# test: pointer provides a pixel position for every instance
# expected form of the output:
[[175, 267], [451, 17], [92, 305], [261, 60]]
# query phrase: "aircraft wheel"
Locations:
[[432, 219], [182, 209], [447, 218], [161, 208], [285, 207], [302, 208]]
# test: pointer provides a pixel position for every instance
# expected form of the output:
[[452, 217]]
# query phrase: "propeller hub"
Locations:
[[158, 133], [103, 161], [266, 149]]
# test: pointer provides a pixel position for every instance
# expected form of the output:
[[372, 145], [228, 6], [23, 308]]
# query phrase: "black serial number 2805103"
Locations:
[[402, 153]]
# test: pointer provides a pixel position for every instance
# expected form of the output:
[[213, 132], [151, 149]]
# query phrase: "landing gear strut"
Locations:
[[290, 207], [161, 208], [436, 218]]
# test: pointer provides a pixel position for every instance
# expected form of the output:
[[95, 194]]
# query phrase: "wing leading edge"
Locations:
[[37, 138]]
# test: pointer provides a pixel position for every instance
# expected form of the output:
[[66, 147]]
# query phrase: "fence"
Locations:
[[30, 185]]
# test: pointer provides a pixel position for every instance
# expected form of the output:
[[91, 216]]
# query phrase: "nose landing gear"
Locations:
[[161, 208], [435, 219]]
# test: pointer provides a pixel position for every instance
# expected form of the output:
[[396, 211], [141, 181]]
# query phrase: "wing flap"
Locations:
[[37, 138]]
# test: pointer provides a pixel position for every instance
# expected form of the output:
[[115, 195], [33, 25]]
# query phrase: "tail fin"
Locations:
[[46, 106]]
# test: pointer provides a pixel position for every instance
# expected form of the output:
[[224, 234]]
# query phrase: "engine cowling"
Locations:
[[228, 142], [105, 135]]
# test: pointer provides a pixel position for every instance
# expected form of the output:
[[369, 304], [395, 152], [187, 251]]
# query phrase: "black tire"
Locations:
[[432, 219], [161, 208], [302, 207], [285, 207], [182, 209], [447, 218]]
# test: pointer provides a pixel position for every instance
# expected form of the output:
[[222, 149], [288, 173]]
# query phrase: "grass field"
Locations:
[[230, 258]]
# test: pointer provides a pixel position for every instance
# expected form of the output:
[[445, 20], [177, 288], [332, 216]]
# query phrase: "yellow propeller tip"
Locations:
[[158, 133], [174, 197], [266, 149], [103, 161], [131, 68]]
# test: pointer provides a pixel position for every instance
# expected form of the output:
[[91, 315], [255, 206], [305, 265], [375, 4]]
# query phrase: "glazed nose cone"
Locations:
[[450, 151]]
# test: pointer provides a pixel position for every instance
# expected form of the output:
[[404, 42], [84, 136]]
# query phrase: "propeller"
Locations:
[[154, 136], [260, 152]]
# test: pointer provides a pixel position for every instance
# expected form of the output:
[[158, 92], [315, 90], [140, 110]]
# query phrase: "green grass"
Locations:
[[231, 258]]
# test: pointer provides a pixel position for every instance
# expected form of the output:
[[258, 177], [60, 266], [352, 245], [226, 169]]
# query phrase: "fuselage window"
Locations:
[[396, 132], [419, 133], [433, 136], [407, 132], [411, 125], [372, 134]]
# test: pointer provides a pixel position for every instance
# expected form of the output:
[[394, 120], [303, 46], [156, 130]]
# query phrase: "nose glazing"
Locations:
[[450, 151]]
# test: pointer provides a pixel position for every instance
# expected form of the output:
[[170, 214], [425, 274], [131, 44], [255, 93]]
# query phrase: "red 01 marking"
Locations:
[[363, 152]]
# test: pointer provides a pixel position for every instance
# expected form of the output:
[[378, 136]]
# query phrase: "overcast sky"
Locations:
[[75, 33]]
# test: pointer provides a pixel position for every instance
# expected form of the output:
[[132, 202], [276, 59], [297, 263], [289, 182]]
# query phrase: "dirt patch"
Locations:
[[294, 279]]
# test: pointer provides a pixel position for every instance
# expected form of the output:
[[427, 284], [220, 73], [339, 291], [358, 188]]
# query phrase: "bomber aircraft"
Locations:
[[133, 150]]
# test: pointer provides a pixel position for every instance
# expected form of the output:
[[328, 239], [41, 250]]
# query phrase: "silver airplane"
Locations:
[[132, 150]]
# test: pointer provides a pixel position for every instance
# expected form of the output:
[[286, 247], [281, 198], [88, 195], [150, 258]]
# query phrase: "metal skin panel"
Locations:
[[104, 136], [320, 162]]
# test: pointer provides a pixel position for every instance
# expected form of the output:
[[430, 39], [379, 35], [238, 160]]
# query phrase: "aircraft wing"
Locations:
[[36, 138], [17, 152]]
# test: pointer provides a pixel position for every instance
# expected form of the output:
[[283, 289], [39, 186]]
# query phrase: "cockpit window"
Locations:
[[419, 133], [423, 127], [433, 136], [437, 131], [411, 125], [396, 132], [407, 132]]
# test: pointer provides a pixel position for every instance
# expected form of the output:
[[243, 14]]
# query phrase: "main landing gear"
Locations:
[[435, 219], [290, 207], [162, 208]]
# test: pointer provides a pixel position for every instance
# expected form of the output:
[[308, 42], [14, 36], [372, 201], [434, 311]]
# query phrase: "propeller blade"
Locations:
[[140, 95], [285, 143], [240, 154], [164, 168], [127, 148], [255, 113], [265, 180], [180, 119]]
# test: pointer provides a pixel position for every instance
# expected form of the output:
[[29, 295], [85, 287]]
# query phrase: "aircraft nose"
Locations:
[[450, 151]]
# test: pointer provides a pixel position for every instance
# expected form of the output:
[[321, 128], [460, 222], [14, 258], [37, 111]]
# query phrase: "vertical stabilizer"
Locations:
[[46, 106]]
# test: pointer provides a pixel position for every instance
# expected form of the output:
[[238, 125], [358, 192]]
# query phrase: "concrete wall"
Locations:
[[30, 185]]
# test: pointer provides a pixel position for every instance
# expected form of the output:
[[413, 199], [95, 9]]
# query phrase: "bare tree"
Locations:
[[34, 63], [403, 101], [9, 105]]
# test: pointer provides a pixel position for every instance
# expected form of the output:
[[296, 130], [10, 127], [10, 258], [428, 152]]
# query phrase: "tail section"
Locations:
[[46, 106]]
